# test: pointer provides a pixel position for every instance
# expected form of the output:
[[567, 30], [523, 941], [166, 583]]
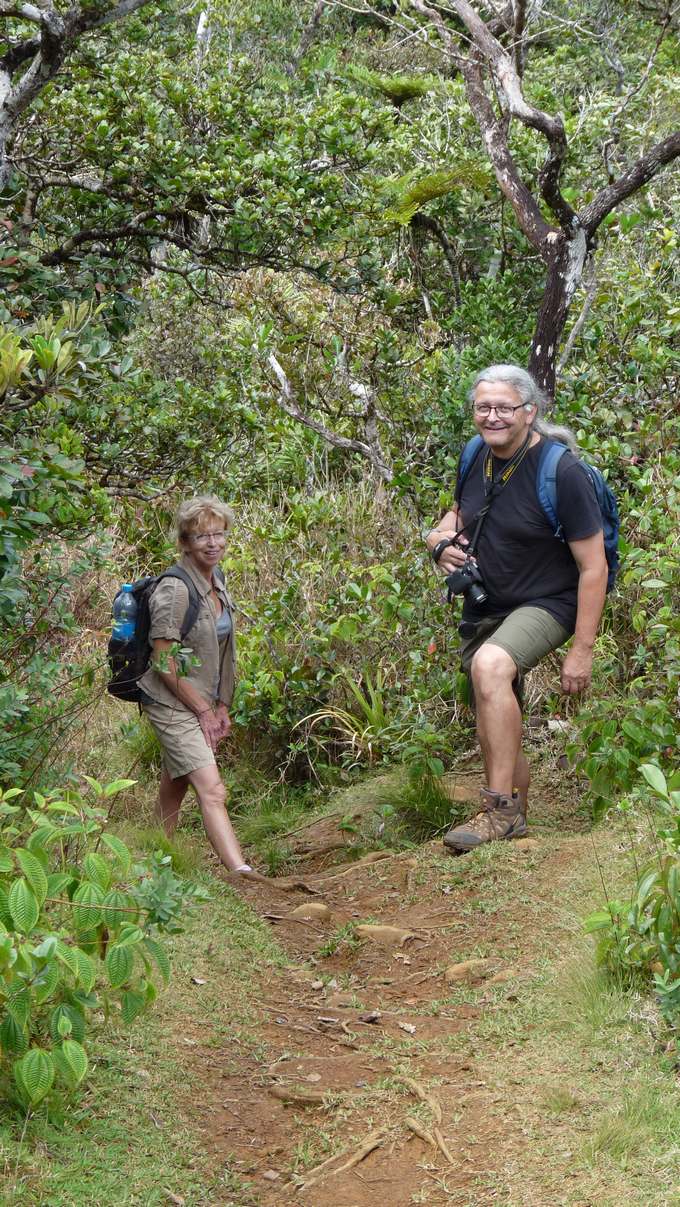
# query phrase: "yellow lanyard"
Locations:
[[504, 477]]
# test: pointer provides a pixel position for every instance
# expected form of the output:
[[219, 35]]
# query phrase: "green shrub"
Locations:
[[79, 927], [641, 939]]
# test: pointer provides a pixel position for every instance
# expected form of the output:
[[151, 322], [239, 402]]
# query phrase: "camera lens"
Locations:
[[476, 594]]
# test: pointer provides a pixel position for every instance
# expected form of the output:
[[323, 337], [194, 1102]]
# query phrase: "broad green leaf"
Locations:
[[132, 1005], [74, 1017], [119, 965], [34, 873], [97, 870], [86, 969], [115, 908], [87, 900], [119, 849], [646, 884], [58, 883], [46, 949], [597, 921], [76, 1058], [7, 952], [160, 955], [6, 861], [36, 844], [67, 957], [129, 935], [23, 906], [94, 784], [46, 982], [118, 786], [655, 778], [5, 915], [64, 1026], [19, 1003], [34, 1074], [13, 1038]]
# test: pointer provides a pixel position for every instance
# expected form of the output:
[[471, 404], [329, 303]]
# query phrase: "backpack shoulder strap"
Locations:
[[191, 613], [546, 481], [467, 458]]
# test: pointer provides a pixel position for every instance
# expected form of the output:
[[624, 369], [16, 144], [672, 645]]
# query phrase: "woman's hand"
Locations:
[[223, 717], [211, 727]]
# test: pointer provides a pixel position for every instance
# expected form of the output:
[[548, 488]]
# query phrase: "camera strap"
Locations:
[[493, 487]]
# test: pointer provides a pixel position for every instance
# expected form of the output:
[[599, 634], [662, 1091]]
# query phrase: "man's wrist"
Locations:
[[584, 645], [437, 550]]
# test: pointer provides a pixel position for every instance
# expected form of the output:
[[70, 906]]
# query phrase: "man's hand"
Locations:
[[453, 556], [577, 670]]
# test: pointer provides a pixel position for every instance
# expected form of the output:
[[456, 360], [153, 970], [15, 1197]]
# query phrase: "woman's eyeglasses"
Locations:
[[205, 538]]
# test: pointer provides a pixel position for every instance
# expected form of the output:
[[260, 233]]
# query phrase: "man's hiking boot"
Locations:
[[500, 817]]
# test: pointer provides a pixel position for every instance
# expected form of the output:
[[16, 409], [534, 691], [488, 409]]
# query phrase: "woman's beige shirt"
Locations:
[[167, 608]]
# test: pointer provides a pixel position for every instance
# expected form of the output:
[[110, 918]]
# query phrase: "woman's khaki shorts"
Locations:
[[527, 635], [179, 733]]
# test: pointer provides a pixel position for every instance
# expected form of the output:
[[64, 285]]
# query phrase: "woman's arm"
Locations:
[[165, 667]]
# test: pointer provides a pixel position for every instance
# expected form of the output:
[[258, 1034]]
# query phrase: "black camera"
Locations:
[[467, 581]]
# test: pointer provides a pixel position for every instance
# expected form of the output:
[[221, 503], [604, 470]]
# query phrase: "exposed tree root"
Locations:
[[370, 1143]]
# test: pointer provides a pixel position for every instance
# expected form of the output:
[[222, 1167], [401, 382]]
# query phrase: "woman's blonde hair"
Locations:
[[191, 513]]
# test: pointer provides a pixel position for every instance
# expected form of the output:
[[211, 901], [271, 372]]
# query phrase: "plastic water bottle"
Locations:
[[124, 613]]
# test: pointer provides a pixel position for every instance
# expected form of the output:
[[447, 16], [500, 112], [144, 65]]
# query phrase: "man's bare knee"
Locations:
[[490, 668]]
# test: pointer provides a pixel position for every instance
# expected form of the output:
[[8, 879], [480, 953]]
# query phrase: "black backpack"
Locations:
[[129, 659]]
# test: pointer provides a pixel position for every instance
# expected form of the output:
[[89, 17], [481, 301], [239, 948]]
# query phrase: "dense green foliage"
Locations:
[[267, 260]]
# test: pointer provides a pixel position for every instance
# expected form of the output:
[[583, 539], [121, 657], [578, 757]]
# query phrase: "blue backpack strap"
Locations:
[[546, 482], [467, 458]]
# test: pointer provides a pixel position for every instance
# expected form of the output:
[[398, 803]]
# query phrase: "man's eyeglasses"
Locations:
[[503, 411], [204, 538]]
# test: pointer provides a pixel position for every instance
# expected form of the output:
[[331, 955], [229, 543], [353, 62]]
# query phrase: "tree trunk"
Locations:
[[565, 269]]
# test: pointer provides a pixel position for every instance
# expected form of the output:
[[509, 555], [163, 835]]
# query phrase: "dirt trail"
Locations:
[[372, 1037]]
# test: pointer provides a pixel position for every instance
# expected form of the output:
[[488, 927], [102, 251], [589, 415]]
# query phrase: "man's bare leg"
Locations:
[[499, 720], [522, 779], [171, 793]]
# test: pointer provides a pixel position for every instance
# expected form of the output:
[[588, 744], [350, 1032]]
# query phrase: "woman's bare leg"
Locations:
[[171, 793], [211, 793]]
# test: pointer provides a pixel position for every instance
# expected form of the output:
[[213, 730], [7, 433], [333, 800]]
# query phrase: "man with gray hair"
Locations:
[[524, 591]]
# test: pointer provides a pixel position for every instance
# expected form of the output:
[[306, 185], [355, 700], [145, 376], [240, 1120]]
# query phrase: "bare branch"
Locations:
[[289, 404], [508, 78], [641, 172]]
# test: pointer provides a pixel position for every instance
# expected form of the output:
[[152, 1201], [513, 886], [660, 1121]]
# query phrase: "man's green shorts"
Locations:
[[527, 635]]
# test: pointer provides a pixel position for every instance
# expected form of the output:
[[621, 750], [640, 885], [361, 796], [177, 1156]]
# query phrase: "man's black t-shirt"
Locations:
[[521, 561]]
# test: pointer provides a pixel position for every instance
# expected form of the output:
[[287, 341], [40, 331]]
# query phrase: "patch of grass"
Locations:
[[561, 1100], [424, 809], [343, 934], [643, 1123], [188, 853]]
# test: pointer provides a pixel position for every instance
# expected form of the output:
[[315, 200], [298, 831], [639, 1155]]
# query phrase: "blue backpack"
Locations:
[[546, 490]]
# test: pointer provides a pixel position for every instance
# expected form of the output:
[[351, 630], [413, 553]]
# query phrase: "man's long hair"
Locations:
[[526, 388]]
